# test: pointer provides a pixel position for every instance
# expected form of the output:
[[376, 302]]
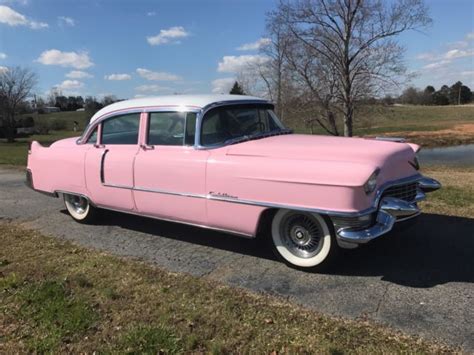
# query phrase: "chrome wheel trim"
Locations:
[[310, 258], [302, 234], [78, 206]]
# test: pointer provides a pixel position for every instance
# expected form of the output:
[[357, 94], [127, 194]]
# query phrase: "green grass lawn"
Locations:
[[57, 297], [16, 153]]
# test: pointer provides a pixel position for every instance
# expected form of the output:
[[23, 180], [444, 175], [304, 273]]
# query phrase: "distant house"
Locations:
[[49, 109], [81, 109]]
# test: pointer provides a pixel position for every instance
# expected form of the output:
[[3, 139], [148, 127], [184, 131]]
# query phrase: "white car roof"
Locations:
[[195, 101]]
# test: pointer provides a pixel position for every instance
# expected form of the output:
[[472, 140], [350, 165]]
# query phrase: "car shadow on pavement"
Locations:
[[436, 250]]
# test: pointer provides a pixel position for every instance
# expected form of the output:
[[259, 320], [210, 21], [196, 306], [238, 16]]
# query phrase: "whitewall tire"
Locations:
[[302, 239], [79, 208]]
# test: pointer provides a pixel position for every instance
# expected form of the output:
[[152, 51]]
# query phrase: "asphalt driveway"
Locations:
[[421, 281]]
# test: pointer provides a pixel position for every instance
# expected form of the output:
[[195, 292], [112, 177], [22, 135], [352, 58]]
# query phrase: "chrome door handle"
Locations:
[[147, 147], [102, 162], [99, 145]]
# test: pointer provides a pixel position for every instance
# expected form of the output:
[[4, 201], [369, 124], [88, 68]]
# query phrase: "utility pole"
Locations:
[[459, 95], [36, 108]]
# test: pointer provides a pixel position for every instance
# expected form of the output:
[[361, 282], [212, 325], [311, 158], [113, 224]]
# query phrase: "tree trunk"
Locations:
[[10, 129], [10, 134], [348, 116]]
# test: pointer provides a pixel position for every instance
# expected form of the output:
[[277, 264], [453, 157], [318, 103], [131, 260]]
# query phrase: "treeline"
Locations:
[[456, 94], [72, 103]]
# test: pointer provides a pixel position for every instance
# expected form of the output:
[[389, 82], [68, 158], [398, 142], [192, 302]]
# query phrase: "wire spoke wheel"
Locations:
[[302, 234], [300, 238]]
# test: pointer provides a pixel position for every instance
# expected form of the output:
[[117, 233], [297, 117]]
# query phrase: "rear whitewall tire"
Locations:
[[315, 246], [79, 208]]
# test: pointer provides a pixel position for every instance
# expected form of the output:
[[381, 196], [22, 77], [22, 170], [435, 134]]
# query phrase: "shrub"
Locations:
[[58, 124], [42, 126]]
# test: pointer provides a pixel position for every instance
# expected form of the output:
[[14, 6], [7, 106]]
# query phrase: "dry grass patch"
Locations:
[[456, 197], [58, 297]]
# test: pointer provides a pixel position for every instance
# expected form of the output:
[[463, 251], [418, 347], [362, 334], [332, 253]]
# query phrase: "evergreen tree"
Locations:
[[237, 89], [459, 94]]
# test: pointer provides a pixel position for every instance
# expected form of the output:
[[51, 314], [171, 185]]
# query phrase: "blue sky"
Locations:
[[144, 47]]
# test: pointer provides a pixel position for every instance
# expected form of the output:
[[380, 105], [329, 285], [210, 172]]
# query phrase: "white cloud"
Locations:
[[3, 69], [20, 2], [436, 65], [443, 59], [262, 42], [78, 60], [426, 56], [3, 55], [78, 74], [459, 53], [222, 86], [68, 85], [236, 64], [171, 35], [66, 21], [151, 88], [38, 25], [470, 35], [118, 77], [151, 13], [157, 76], [10, 17]]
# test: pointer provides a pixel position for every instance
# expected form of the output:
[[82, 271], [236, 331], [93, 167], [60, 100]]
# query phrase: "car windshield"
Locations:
[[236, 123]]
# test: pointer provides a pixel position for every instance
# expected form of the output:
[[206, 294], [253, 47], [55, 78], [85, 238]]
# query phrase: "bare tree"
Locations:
[[356, 41], [317, 82], [53, 94], [16, 84], [274, 72]]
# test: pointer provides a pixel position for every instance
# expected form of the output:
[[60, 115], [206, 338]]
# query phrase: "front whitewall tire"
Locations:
[[288, 249]]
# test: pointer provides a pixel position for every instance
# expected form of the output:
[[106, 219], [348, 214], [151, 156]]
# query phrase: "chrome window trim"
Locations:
[[91, 126], [209, 107]]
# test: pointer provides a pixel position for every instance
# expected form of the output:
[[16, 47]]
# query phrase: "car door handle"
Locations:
[[102, 162], [147, 147], [99, 145]]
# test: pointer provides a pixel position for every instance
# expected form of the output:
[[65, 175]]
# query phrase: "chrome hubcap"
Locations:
[[77, 203], [301, 234]]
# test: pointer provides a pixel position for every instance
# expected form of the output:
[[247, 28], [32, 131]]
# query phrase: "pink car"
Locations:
[[226, 162]]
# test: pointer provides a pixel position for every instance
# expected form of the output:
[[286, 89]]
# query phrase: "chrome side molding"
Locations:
[[392, 139]]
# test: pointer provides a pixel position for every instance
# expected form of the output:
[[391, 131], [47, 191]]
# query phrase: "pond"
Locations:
[[458, 155]]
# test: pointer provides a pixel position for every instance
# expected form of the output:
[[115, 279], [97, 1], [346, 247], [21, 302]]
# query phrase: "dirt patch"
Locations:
[[456, 135]]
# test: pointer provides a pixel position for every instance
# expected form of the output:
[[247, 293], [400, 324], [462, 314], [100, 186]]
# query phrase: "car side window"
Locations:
[[121, 129], [93, 136], [171, 128]]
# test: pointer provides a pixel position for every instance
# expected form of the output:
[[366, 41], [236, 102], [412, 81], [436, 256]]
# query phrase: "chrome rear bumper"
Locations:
[[391, 210]]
